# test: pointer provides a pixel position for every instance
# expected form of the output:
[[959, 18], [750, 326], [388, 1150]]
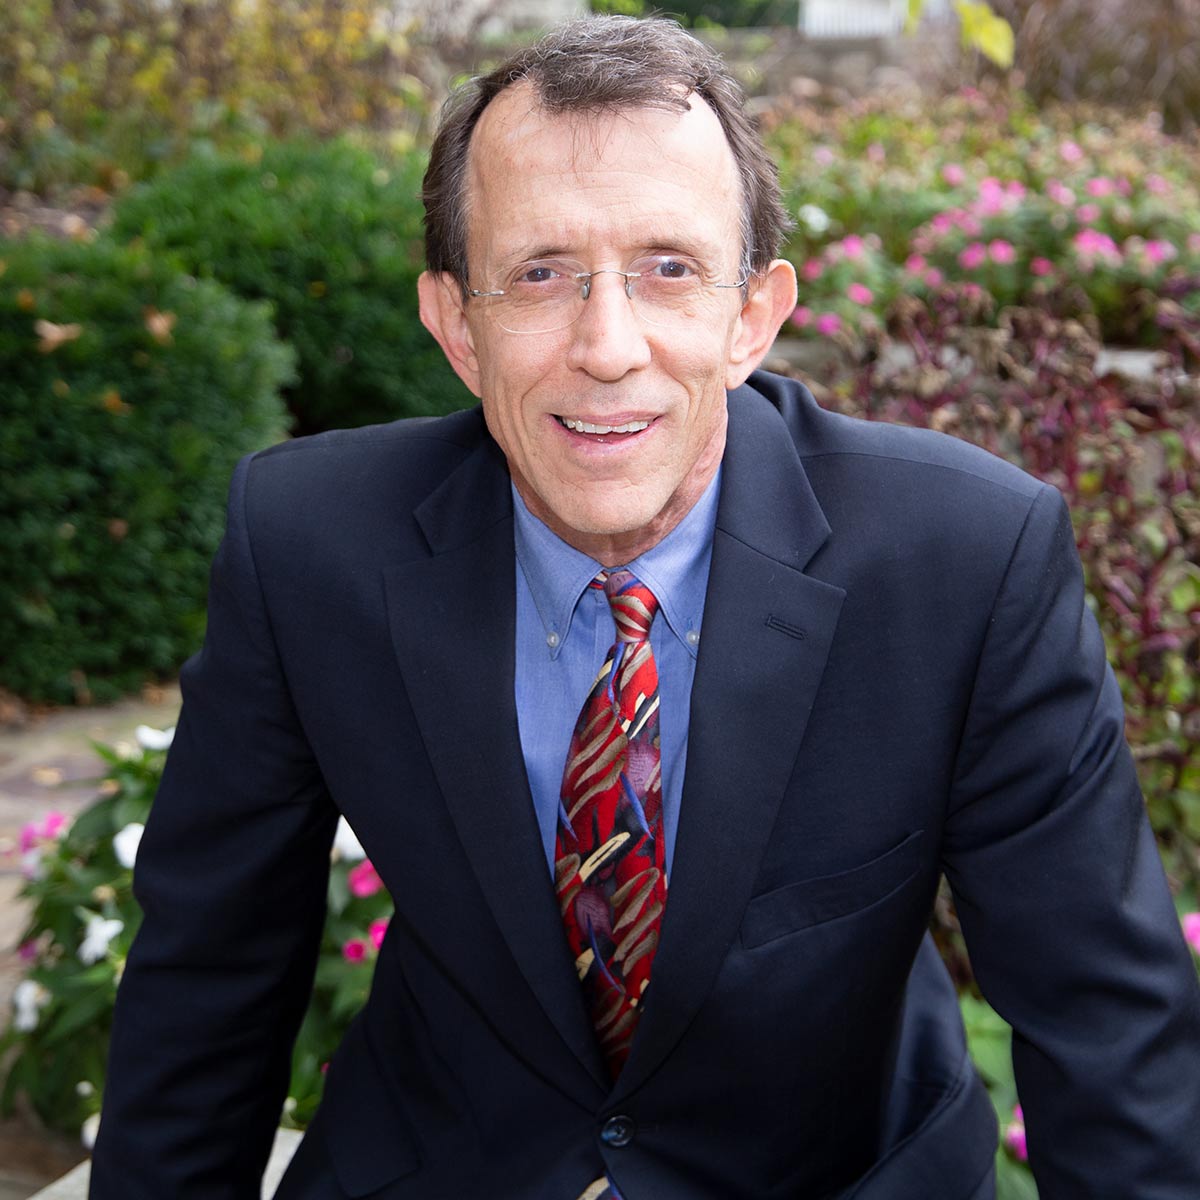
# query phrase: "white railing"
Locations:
[[852, 18]]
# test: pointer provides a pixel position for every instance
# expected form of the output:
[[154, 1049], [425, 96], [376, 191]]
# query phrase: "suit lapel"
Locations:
[[453, 621], [766, 635]]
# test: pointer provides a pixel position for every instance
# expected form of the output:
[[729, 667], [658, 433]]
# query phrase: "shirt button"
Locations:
[[617, 1132], [692, 637], [552, 639]]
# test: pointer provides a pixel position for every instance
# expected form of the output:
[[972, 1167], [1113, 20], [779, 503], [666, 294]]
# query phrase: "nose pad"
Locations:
[[608, 338]]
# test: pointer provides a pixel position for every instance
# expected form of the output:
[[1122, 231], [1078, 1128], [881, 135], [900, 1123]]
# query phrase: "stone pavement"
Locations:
[[48, 765]]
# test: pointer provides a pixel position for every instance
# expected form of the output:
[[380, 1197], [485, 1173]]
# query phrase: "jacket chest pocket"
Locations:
[[811, 902]]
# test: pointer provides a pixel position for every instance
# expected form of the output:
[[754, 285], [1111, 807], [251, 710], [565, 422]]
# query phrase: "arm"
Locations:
[[231, 876], [1062, 898]]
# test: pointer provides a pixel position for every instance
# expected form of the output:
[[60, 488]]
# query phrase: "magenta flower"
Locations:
[[828, 324], [1070, 152], [974, 255], [49, 829], [1159, 251], [933, 277], [1041, 266], [377, 930], [1001, 251], [27, 951], [1014, 1135], [860, 293], [1091, 244], [812, 269], [1088, 214], [364, 879], [914, 263], [954, 175], [853, 246], [1157, 185], [355, 950], [1100, 186], [1060, 193], [802, 318], [1191, 930]]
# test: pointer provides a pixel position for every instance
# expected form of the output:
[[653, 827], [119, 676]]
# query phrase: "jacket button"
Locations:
[[617, 1132]]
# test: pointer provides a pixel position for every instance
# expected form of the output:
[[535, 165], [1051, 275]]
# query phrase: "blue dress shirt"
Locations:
[[565, 628]]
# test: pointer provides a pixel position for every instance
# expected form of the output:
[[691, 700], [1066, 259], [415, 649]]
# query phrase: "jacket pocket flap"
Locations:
[[812, 901]]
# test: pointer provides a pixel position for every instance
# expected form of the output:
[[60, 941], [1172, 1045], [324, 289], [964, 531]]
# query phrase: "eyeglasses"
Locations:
[[549, 294]]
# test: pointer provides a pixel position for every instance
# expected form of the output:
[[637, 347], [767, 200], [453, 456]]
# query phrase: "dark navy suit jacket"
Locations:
[[898, 677]]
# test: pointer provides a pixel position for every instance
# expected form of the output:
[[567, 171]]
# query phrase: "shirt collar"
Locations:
[[675, 570]]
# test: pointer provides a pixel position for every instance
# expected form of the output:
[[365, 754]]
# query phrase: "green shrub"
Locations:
[[129, 392], [331, 236]]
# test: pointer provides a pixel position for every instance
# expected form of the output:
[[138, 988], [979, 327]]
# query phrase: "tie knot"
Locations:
[[633, 604]]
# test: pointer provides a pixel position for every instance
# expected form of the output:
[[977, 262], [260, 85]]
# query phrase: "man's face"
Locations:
[[603, 190]]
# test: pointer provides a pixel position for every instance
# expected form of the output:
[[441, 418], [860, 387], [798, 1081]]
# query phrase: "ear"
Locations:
[[444, 315], [772, 300]]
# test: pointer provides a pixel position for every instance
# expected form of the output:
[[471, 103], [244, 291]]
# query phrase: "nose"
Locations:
[[608, 341]]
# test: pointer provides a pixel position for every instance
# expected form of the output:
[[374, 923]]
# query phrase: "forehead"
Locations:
[[601, 182]]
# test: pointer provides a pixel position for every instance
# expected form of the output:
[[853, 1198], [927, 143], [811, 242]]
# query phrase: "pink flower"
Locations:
[[27, 951], [1157, 185], [1087, 214], [876, 153], [933, 277], [1042, 266], [1091, 244], [1193, 243], [377, 930], [974, 255], [823, 156], [812, 269], [49, 829], [954, 175], [803, 316], [1001, 251], [853, 246], [1191, 930], [355, 950], [1100, 186], [859, 293], [1016, 189], [914, 263], [828, 324], [1060, 193], [364, 879], [1014, 1135], [1070, 152], [1159, 251]]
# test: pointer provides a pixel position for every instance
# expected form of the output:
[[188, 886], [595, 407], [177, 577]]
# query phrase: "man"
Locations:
[[663, 937]]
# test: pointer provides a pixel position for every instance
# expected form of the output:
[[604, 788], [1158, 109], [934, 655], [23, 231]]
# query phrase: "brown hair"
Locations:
[[600, 64]]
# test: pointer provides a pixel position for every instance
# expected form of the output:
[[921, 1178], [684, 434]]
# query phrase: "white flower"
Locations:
[[125, 843], [154, 739], [100, 931], [815, 219], [84, 1088], [28, 997], [88, 1131], [346, 843]]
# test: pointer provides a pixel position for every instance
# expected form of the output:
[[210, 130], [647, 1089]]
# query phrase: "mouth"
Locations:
[[599, 431]]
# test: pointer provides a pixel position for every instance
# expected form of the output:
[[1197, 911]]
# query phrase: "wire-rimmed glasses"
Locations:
[[549, 294]]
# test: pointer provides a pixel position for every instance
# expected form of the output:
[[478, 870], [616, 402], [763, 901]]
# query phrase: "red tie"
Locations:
[[609, 866]]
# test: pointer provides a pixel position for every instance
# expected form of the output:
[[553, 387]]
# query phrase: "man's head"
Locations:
[[611, 146]]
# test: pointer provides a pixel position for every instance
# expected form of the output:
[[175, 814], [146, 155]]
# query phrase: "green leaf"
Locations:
[[984, 31]]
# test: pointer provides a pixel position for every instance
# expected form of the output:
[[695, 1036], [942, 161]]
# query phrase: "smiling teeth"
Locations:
[[588, 427]]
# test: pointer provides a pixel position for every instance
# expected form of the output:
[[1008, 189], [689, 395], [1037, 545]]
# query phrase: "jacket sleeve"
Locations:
[[231, 875], [1068, 920]]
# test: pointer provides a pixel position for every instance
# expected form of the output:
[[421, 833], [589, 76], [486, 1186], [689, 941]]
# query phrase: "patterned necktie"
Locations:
[[609, 866]]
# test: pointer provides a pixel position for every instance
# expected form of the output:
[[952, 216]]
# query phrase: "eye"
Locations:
[[538, 274], [546, 273], [667, 267]]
